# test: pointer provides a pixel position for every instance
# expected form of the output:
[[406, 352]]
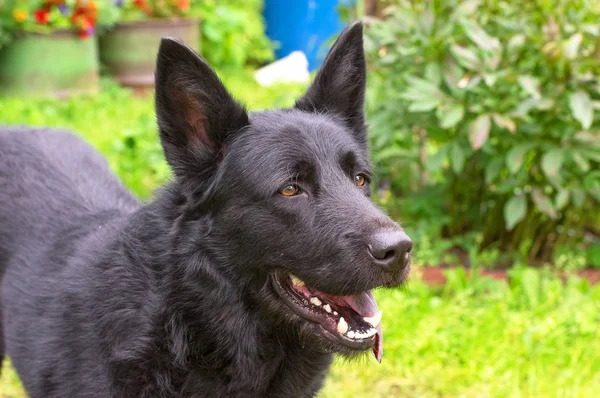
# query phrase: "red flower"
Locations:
[[183, 4], [84, 34], [42, 16]]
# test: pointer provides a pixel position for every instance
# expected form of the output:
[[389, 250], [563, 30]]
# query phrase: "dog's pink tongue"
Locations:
[[378, 347], [366, 306]]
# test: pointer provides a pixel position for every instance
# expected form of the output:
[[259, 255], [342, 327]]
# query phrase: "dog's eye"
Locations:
[[289, 190], [360, 180]]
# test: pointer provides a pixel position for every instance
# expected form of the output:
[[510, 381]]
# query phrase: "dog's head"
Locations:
[[288, 190]]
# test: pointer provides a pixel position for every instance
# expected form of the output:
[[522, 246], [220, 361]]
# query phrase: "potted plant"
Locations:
[[129, 50], [47, 47]]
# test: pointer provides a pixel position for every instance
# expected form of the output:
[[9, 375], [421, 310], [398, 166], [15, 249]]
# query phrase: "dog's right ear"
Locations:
[[339, 87], [196, 115]]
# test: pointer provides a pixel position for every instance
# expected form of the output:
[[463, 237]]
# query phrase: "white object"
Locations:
[[293, 68]]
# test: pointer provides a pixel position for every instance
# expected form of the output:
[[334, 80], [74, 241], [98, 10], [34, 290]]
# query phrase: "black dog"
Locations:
[[240, 279]]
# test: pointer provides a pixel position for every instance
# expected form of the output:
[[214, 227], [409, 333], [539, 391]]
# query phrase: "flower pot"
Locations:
[[56, 64], [129, 50]]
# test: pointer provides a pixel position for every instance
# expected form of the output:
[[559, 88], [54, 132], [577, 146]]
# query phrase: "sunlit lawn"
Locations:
[[532, 338]]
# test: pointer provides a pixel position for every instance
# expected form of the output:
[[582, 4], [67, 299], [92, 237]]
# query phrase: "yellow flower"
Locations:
[[20, 15]]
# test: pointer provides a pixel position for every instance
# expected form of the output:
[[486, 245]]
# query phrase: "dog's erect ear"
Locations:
[[196, 115], [339, 87]]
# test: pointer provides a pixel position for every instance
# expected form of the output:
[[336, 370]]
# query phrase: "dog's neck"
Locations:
[[206, 321]]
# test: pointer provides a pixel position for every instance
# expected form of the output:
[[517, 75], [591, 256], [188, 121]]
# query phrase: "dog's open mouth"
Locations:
[[353, 321]]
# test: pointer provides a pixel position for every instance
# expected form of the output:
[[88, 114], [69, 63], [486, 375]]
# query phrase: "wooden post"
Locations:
[[372, 8]]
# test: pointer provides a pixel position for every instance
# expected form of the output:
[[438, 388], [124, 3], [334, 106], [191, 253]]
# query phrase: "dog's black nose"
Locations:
[[390, 249]]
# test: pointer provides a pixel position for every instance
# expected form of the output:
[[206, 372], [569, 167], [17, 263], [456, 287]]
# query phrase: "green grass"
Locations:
[[533, 337]]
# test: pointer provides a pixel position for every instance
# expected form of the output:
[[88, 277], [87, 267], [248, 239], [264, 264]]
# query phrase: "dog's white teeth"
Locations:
[[374, 320], [327, 308], [297, 281], [315, 301], [335, 313], [342, 326], [358, 335]]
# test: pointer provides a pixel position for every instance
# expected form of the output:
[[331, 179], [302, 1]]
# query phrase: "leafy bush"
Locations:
[[485, 118], [233, 32]]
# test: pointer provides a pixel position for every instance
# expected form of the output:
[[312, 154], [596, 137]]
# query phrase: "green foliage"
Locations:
[[487, 114], [233, 32]]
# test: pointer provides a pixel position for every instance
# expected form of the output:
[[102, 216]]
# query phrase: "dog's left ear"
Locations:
[[339, 87]]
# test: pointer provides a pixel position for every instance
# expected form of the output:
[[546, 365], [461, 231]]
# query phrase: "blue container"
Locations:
[[304, 25]]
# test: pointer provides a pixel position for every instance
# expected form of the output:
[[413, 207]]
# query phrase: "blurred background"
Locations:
[[485, 134]]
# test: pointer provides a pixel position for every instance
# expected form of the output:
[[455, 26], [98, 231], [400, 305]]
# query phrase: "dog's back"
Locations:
[[49, 180], [54, 191]]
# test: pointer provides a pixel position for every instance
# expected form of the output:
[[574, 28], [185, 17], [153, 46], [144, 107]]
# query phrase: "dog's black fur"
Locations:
[[104, 297]]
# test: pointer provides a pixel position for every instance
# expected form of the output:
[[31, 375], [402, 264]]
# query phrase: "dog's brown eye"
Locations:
[[359, 180], [289, 190]]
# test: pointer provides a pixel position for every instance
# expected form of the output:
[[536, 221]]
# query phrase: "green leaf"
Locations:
[[457, 158], [514, 211], [516, 156], [543, 203], [561, 199], [424, 106], [452, 75], [479, 36], [592, 154], [578, 196], [436, 162], [492, 170], [392, 152], [582, 108], [479, 131], [530, 85], [423, 95], [466, 57], [552, 162], [572, 45], [433, 73], [416, 83], [516, 42], [588, 137], [449, 116], [581, 162], [593, 253], [468, 7], [504, 122], [591, 183]]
